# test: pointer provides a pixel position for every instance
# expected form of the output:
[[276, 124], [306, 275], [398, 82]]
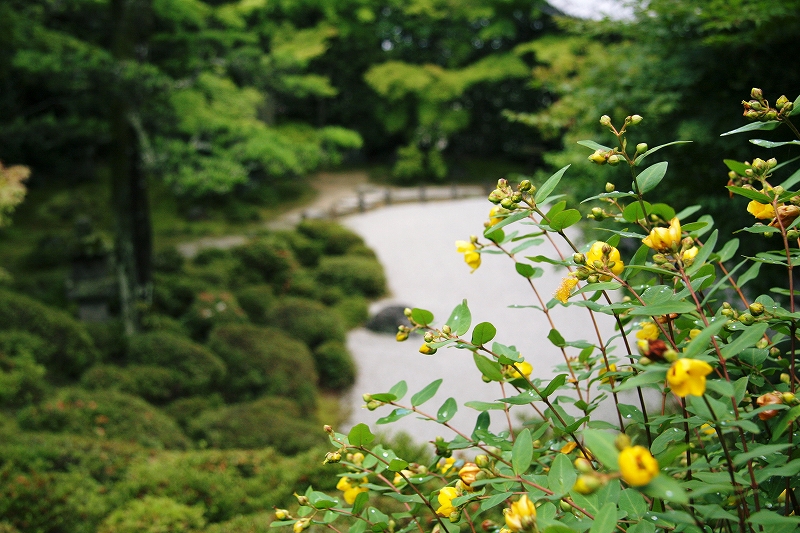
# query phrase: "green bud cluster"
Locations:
[[758, 107]]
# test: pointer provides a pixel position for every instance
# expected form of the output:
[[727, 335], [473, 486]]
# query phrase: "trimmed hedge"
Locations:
[[70, 349], [154, 515], [265, 259], [153, 383], [184, 410], [308, 321], [264, 361], [275, 422], [334, 238], [110, 414], [257, 301], [355, 274], [210, 309], [254, 523], [335, 365], [354, 311], [196, 368], [21, 377]]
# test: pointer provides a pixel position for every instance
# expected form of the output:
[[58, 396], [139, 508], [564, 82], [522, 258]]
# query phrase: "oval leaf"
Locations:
[[651, 177], [490, 369], [360, 435], [425, 394], [565, 219], [460, 319], [483, 333], [548, 186], [522, 452], [421, 316], [447, 411]]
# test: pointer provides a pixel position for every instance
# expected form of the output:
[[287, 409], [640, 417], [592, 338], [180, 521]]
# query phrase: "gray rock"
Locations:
[[388, 319]]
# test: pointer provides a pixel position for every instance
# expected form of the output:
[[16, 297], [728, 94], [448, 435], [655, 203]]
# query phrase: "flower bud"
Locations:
[[781, 101], [610, 187], [357, 458], [751, 114], [281, 514], [774, 351], [636, 119], [508, 203], [759, 165], [502, 183], [579, 258], [756, 308], [455, 516], [373, 404], [366, 397], [787, 108], [332, 457], [525, 185], [401, 336], [605, 120], [789, 398], [583, 465], [641, 148], [755, 92], [594, 278], [770, 115], [793, 234], [785, 378], [446, 329], [762, 343], [670, 355], [597, 213], [586, 484], [614, 160], [598, 157], [772, 163], [302, 500], [516, 197], [301, 525], [747, 319], [328, 429], [426, 350], [407, 312], [565, 506], [482, 460], [428, 336], [622, 441], [496, 196]]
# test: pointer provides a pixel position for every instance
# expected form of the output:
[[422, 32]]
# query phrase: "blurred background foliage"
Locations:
[[209, 117]]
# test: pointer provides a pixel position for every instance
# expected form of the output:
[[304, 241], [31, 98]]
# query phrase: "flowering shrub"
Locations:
[[713, 447]]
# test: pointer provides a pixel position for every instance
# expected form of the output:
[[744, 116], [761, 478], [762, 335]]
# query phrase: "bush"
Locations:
[[308, 321], [50, 251], [257, 301], [335, 239], [307, 251], [354, 311], [302, 283], [174, 294], [154, 515], [159, 322], [254, 523], [46, 502], [110, 414], [212, 308], [335, 365], [196, 368], [276, 422], [70, 348], [153, 383], [184, 410], [21, 378], [354, 274], [109, 338], [206, 256], [265, 260], [264, 361]]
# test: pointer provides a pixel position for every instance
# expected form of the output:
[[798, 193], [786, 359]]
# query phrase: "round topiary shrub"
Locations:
[[69, 348], [184, 410], [210, 309], [335, 365], [107, 377], [174, 294], [154, 515], [335, 239], [109, 338], [196, 368], [107, 413], [153, 383], [264, 361], [277, 422], [266, 260], [354, 311], [308, 321], [252, 523], [355, 274], [307, 251], [257, 301], [21, 377]]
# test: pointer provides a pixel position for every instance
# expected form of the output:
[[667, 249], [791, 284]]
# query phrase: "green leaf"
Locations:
[[657, 148], [425, 394], [559, 528], [460, 319], [359, 526], [489, 368], [633, 211], [651, 177], [483, 333], [553, 385], [360, 502], [396, 465], [485, 406], [522, 452], [601, 445], [771, 518], [666, 488], [767, 450], [565, 219], [447, 411], [514, 217], [632, 502], [421, 316], [529, 242], [666, 308], [769, 125], [736, 166], [704, 253], [555, 337], [594, 146], [543, 192], [525, 270], [494, 500], [561, 476], [606, 520], [749, 337], [399, 390], [770, 144], [728, 251], [360, 435], [384, 397], [700, 343], [749, 193], [785, 422]]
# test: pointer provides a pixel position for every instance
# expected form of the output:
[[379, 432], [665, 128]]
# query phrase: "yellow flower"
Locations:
[[649, 331], [447, 465], [665, 239], [350, 491], [469, 473], [708, 429], [761, 211], [563, 291], [612, 261], [637, 466], [521, 515], [688, 376], [607, 379], [446, 496], [524, 367], [494, 214], [471, 257], [689, 255]]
